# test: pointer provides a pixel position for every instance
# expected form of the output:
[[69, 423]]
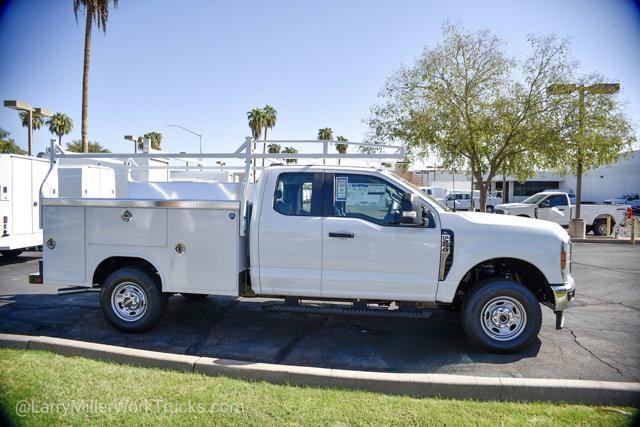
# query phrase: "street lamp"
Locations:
[[190, 131], [578, 225], [135, 141], [23, 106]]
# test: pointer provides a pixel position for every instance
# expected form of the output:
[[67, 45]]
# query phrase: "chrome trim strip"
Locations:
[[144, 203]]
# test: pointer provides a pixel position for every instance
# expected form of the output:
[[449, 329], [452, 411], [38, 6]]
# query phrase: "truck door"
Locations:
[[290, 235], [367, 253], [555, 208]]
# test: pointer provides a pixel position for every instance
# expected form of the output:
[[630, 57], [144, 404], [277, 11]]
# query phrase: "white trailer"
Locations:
[[20, 181], [306, 233]]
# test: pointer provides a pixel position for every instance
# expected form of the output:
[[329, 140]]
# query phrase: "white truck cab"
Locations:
[[311, 233], [555, 206]]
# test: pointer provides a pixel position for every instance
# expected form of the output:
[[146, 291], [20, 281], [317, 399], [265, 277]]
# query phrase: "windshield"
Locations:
[[623, 196], [532, 200], [421, 193]]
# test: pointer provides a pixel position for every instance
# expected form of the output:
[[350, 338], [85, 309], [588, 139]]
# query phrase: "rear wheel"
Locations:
[[501, 315], [13, 253], [132, 301], [600, 227]]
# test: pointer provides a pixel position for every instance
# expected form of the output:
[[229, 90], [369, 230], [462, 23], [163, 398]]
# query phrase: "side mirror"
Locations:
[[544, 204], [411, 210]]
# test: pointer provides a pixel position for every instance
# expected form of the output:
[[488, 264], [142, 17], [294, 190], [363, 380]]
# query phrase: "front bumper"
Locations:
[[564, 294]]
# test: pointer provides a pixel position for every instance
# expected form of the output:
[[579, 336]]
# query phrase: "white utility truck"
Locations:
[[316, 237], [556, 206], [20, 180]]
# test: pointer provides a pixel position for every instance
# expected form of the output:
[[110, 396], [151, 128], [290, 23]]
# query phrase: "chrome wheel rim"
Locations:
[[602, 229], [129, 301], [503, 318]]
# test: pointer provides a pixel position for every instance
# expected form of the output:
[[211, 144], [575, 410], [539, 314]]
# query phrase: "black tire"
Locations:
[[489, 209], [195, 297], [155, 301], [489, 291], [12, 253], [600, 227]]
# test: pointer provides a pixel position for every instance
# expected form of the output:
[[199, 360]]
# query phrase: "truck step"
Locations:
[[347, 310]]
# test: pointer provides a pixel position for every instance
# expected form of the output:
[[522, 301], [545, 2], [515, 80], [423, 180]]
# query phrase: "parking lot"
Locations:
[[601, 339]]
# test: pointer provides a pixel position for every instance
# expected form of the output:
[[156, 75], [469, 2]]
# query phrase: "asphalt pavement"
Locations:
[[601, 340]]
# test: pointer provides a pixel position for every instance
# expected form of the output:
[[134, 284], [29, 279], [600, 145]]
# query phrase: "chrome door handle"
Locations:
[[344, 235]]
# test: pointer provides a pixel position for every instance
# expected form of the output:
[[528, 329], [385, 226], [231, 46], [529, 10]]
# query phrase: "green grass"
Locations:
[[130, 395]]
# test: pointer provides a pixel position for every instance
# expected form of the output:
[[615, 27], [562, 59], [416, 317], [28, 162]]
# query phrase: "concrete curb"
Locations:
[[418, 385], [607, 241]]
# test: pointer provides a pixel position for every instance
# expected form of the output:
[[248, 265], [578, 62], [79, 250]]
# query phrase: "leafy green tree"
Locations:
[[36, 121], [468, 103], [341, 148], [156, 139], [274, 148], [290, 150], [8, 145], [98, 11], [60, 124], [77, 146]]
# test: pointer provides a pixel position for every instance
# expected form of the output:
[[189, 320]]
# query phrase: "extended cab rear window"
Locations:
[[298, 194]]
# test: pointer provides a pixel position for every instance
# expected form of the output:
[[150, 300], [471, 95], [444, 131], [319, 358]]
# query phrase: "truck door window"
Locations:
[[557, 200], [296, 194], [366, 197]]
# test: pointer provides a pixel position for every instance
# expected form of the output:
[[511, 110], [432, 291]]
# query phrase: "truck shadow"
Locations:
[[240, 329], [16, 260]]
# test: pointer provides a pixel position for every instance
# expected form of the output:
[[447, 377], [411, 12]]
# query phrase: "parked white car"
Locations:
[[461, 201], [309, 233], [631, 199], [556, 207]]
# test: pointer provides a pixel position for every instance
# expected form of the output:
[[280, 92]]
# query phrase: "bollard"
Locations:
[[633, 230], [608, 226]]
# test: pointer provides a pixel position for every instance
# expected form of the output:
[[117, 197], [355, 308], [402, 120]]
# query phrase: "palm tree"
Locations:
[[256, 124], [341, 148], [60, 124], [290, 150], [156, 139], [98, 11], [94, 147], [270, 117], [274, 148], [36, 121], [325, 134]]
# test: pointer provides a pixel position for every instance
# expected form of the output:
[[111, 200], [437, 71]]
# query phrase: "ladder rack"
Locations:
[[243, 152]]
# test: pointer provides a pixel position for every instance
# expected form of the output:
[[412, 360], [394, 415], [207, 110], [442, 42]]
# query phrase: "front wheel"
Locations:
[[131, 300], [600, 227], [489, 209], [501, 315]]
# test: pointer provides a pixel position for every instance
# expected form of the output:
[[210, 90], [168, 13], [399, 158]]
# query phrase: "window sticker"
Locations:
[[362, 194], [341, 188]]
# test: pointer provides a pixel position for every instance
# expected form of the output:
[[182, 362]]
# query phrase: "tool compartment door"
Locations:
[[64, 255], [203, 244]]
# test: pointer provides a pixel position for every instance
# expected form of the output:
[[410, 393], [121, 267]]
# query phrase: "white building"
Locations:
[[598, 184]]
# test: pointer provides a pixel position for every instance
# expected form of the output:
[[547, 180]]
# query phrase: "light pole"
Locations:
[[23, 106], [135, 141], [577, 226], [190, 131]]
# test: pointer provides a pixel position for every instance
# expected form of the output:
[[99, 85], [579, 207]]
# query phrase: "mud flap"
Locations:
[[559, 319]]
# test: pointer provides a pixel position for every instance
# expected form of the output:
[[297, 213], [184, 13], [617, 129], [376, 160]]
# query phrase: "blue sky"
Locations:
[[204, 64]]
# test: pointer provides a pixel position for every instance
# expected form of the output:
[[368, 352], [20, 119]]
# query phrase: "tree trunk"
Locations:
[[85, 79], [483, 185]]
